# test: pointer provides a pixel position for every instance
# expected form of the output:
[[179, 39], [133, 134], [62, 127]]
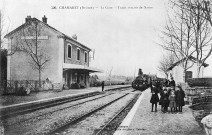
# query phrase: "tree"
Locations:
[[177, 36], [203, 38], [0, 48], [29, 40], [201, 21], [4, 27], [110, 75], [166, 62]]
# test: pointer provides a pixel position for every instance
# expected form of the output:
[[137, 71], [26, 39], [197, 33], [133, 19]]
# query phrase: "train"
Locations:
[[144, 81], [139, 83]]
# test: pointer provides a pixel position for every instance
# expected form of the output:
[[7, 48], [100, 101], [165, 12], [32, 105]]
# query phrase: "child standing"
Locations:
[[154, 99], [162, 99], [165, 100], [172, 99]]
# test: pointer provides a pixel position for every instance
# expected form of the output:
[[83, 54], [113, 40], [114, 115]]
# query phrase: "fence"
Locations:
[[12, 86], [198, 90], [107, 83]]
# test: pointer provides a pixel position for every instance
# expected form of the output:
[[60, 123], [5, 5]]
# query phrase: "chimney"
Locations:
[[27, 19], [44, 19], [74, 37]]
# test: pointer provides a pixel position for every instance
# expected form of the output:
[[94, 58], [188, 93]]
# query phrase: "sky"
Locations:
[[124, 39]]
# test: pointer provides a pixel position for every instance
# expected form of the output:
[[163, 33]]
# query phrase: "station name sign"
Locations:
[[33, 37]]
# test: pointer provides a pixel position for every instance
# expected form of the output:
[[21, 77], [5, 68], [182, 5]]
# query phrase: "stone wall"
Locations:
[[192, 92]]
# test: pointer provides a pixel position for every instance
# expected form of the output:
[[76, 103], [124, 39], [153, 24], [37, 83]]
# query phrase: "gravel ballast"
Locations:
[[44, 124], [98, 119]]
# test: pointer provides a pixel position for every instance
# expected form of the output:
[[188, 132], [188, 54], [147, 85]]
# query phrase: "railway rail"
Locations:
[[27, 118], [16, 123], [60, 108], [74, 121], [114, 122], [4, 114]]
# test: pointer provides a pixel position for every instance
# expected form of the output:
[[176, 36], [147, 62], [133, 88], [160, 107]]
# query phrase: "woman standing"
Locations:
[[180, 94], [154, 99]]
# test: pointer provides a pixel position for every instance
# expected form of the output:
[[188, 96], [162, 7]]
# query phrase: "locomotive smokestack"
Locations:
[[140, 73]]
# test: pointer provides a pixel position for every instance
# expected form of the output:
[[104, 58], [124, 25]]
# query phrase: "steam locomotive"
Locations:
[[140, 84], [142, 81]]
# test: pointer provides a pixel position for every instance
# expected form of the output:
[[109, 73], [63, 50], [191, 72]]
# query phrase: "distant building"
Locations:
[[69, 59], [176, 70]]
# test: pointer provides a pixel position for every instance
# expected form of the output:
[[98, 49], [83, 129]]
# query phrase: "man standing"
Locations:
[[172, 82], [103, 84]]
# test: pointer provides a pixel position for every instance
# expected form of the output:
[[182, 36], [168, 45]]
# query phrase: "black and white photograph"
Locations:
[[106, 67]]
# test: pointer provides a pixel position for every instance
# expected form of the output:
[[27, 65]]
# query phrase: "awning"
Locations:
[[67, 66]]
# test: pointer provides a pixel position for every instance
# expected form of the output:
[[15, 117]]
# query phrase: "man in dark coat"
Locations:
[[180, 94], [103, 84], [164, 100], [172, 82], [161, 98], [166, 83], [154, 98]]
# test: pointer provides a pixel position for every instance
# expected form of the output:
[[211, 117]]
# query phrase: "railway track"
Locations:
[[58, 108], [74, 121], [21, 124], [5, 114], [111, 126]]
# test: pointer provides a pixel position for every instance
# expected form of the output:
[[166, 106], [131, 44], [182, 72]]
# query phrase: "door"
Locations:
[[188, 75]]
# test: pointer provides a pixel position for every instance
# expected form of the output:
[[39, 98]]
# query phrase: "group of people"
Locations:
[[171, 96]]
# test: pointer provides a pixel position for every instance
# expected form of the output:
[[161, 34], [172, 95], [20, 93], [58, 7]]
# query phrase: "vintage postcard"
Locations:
[[85, 67]]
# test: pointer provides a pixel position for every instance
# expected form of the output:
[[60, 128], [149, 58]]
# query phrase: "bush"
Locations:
[[75, 86], [204, 82], [22, 91]]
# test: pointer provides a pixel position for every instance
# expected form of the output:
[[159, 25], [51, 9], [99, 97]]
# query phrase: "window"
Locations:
[[78, 54], [86, 57], [69, 51]]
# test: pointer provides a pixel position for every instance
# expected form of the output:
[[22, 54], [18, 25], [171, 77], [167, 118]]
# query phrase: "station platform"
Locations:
[[141, 121], [9, 101]]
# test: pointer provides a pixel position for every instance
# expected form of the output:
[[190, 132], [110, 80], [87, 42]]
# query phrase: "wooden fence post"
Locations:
[[35, 85], [26, 83], [16, 86]]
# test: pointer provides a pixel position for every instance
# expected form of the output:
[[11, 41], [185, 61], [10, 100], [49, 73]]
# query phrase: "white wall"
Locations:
[[20, 68], [177, 72]]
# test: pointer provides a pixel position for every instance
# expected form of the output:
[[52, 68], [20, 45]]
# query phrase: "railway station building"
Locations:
[[68, 59]]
